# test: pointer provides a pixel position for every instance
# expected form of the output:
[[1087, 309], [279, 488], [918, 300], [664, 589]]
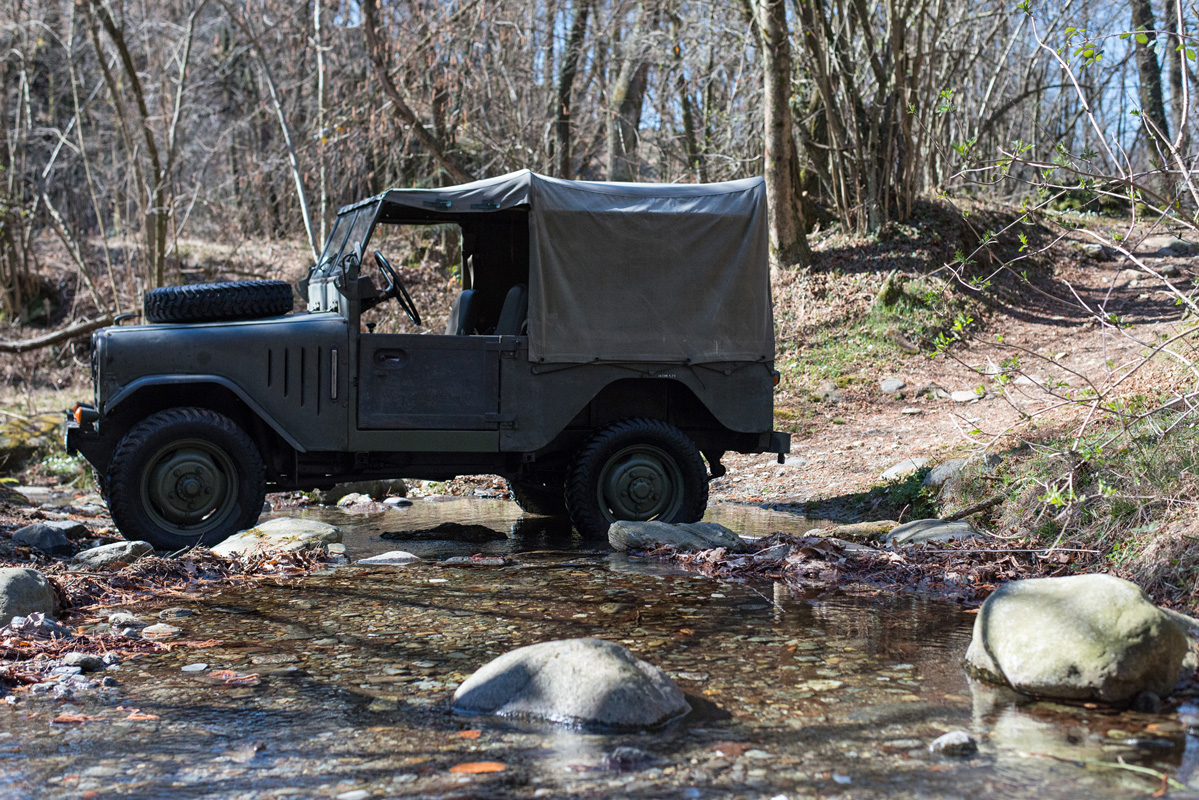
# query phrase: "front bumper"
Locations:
[[82, 438]]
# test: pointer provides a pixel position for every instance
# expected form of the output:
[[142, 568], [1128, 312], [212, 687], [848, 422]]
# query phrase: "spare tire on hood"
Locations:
[[216, 302]]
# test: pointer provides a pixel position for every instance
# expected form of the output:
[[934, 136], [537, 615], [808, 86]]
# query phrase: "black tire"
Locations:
[[638, 469], [215, 302], [545, 499], [185, 477]]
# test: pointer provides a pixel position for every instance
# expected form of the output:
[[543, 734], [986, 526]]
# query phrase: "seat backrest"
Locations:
[[464, 315], [514, 313]]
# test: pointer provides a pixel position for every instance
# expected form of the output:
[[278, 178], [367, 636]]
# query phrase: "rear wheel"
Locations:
[[638, 469], [185, 477]]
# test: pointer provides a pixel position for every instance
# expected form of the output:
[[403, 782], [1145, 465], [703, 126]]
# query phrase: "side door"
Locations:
[[423, 382]]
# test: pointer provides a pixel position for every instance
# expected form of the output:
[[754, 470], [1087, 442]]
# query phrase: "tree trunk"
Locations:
[[1179, 92], [403, 110], [566, 80], [1153, 109], [627, 98], [788, 243]]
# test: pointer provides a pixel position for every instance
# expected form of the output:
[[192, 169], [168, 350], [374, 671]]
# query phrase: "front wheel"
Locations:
[[185, 477], [638, 469]]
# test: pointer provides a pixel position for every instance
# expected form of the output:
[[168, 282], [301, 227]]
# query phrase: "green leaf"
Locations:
[[1142, 39]]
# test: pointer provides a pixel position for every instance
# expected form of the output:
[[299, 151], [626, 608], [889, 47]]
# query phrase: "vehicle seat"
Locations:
[[464, 315], [515, 312]]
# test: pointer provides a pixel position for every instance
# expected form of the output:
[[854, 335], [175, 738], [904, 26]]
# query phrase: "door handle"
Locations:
[[393, 357]]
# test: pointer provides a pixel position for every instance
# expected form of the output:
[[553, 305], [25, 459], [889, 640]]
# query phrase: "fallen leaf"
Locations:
[[70, 719], [469, 734], [732, 749], [222, 674], [686, 632], [244, 680], [138, 716], [477, 767]]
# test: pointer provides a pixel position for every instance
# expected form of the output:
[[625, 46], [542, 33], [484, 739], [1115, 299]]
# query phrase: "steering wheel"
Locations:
[[396, 289]]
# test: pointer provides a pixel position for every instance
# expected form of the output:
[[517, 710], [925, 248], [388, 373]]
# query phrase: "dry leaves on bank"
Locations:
[[967, 571]]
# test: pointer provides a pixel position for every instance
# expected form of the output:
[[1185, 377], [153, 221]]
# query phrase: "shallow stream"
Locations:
[[795, 696]]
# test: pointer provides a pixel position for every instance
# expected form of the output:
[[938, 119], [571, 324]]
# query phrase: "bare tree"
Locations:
[[788, 241]]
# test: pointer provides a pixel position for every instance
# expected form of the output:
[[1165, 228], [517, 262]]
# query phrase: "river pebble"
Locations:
[[954, 743]]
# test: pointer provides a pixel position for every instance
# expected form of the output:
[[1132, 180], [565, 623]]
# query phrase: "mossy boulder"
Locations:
[[21, 439], [1082, 637]]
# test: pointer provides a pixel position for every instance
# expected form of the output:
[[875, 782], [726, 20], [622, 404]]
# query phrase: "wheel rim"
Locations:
[[190, 487], [641, 482]]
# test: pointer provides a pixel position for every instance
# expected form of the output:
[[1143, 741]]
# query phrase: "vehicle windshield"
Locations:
[[350, 234]]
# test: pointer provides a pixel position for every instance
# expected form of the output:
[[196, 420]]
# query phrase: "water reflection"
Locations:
[[824, 695]]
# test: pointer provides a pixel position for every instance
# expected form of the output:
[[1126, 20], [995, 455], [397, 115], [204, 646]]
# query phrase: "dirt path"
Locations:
[[856, 439]]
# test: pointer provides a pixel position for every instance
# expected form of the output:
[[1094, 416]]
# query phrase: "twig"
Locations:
[[1010, 550], [974, 509]]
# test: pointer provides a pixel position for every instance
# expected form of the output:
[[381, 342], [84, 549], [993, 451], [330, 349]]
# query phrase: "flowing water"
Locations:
[[794, 696]]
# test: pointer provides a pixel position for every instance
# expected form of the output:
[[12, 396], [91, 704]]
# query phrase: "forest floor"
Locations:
[[837, 345]]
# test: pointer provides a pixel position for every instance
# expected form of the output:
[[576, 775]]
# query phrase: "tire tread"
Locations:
[[217, 302]]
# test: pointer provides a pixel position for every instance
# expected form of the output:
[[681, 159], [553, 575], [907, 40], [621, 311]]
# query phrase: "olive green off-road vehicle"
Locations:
[[608, 338]]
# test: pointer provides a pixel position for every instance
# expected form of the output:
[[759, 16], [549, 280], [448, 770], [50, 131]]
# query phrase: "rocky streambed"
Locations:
[[339, 685]]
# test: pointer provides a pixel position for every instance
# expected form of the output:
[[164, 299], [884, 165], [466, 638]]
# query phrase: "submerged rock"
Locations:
[[24, 592], [393, 557], [108, 555], [954, 743], [588, 682], [447, 532], [1083, 637], [280, 535], [688, 537], [930, 530]]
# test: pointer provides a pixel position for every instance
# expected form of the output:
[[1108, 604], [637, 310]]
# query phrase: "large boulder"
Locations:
[[24, 592], [1083, 637], [117, 553], [587, 682], [280, 535], [688, 537]]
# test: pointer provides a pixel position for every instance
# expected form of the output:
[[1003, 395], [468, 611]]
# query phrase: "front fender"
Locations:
[[175, 381]]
